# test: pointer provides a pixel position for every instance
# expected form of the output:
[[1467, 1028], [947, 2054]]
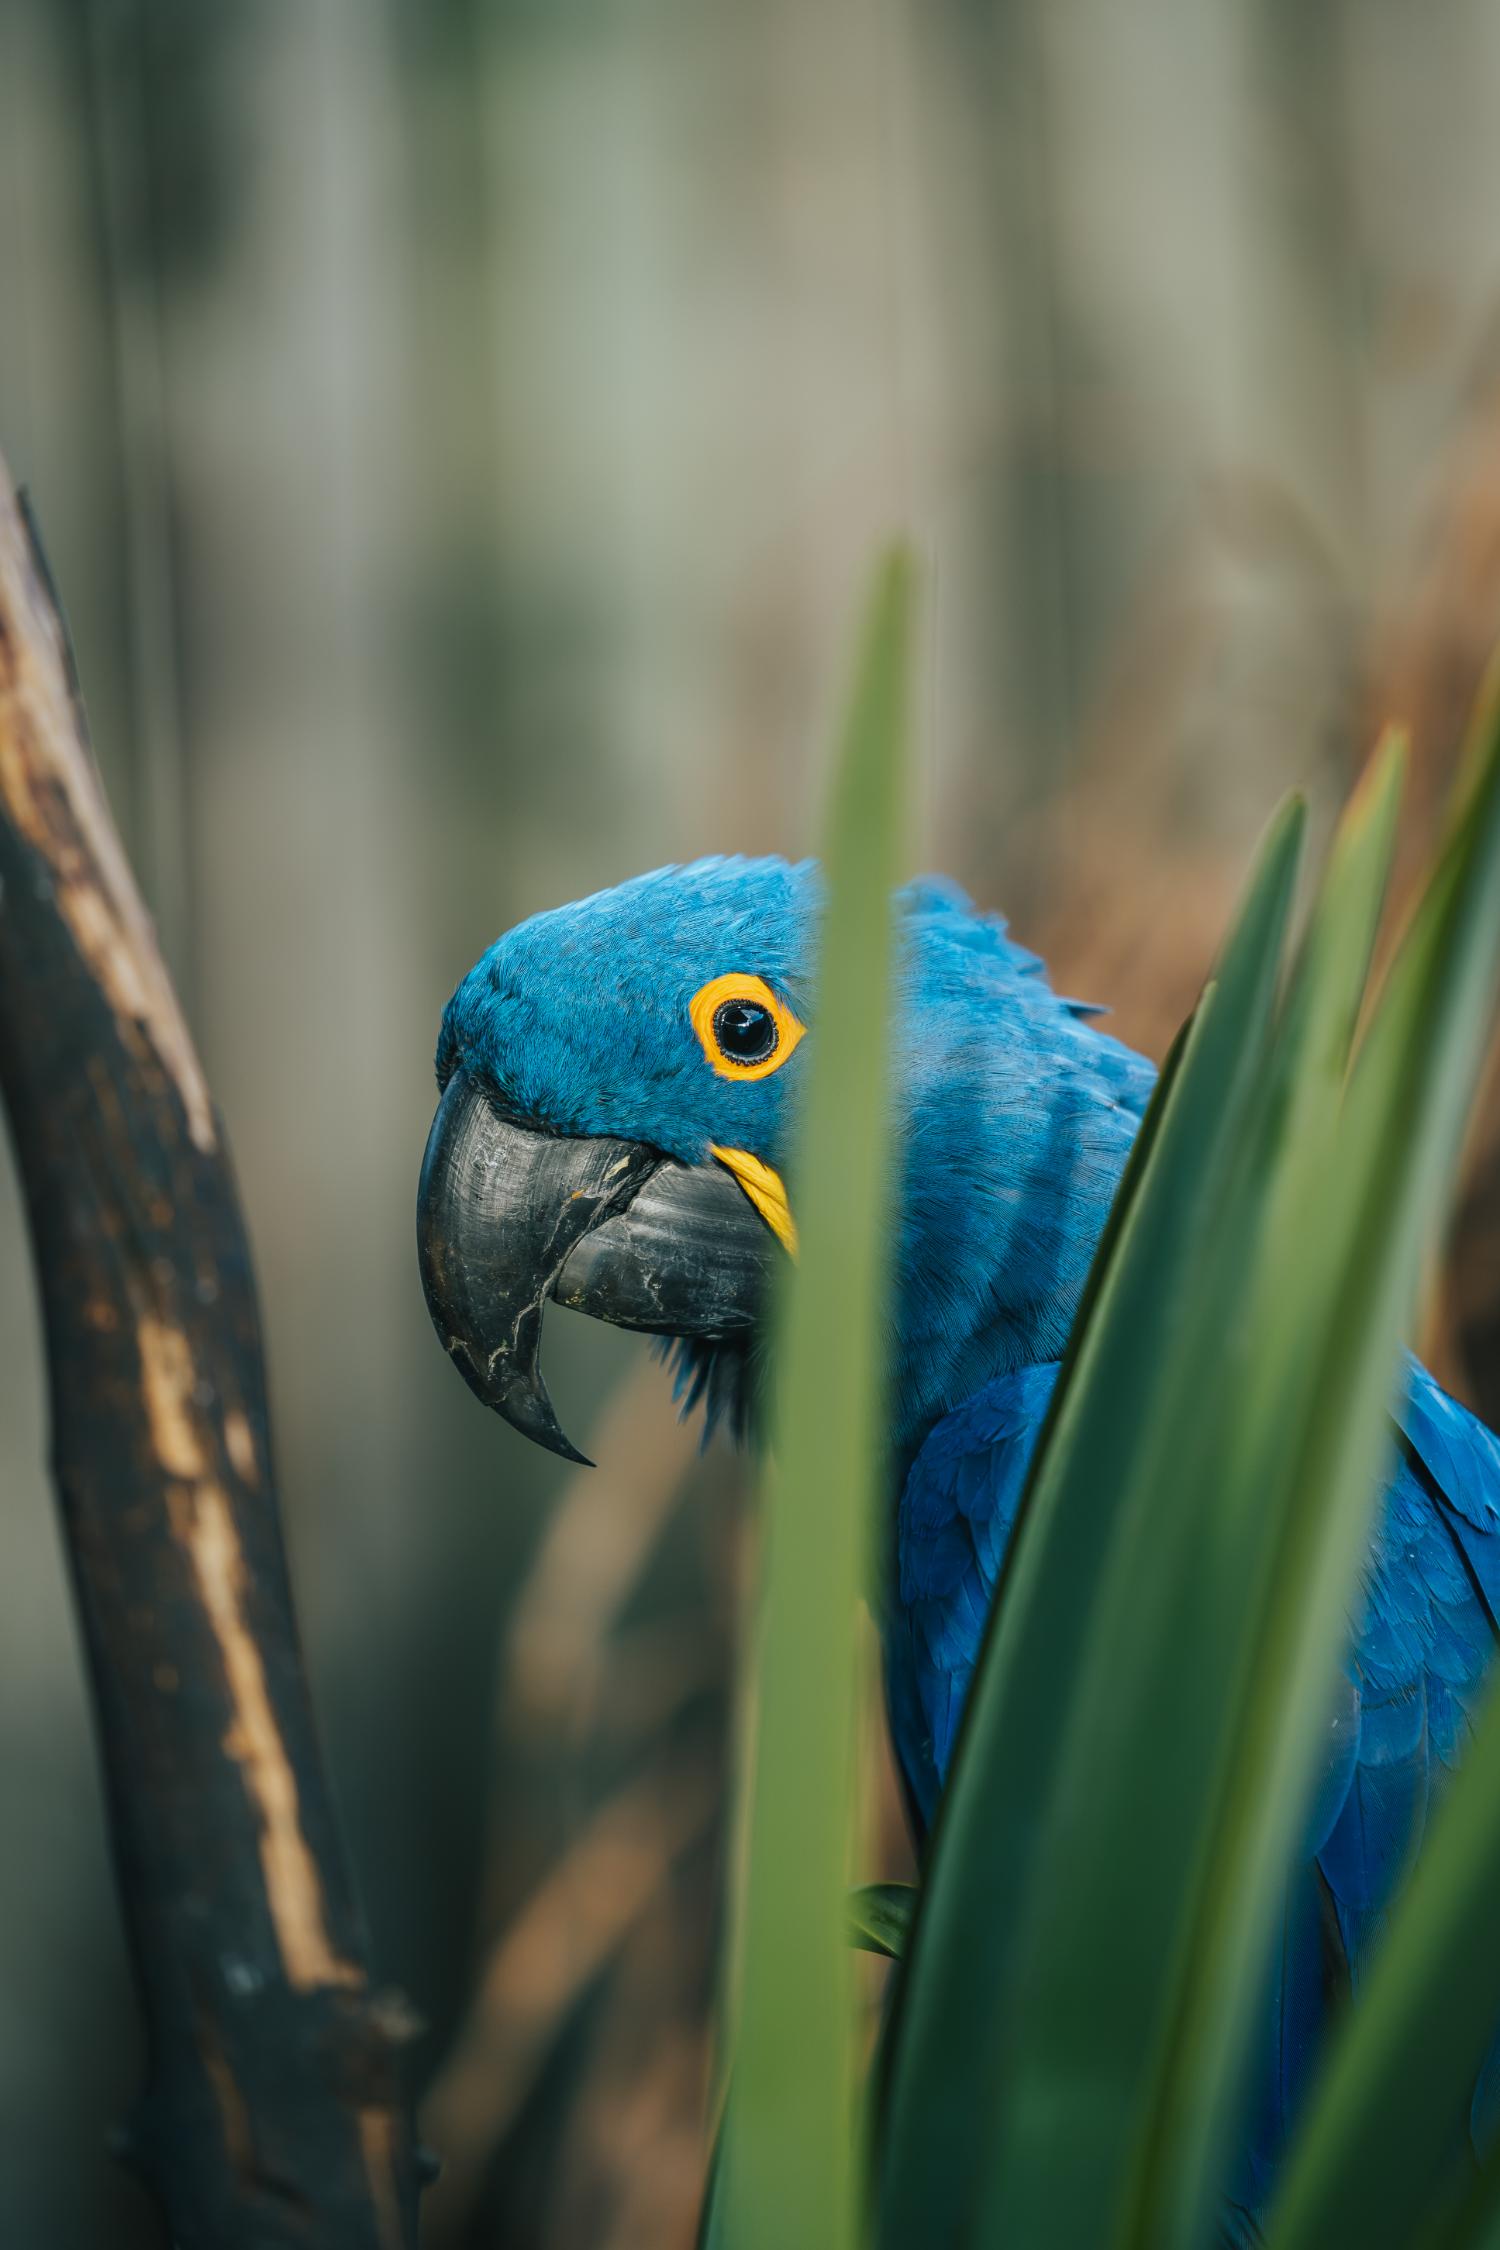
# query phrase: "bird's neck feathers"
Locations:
[[1015, 1118]]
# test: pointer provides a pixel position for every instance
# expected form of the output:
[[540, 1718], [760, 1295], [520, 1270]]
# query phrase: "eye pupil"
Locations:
[[746, 1032]]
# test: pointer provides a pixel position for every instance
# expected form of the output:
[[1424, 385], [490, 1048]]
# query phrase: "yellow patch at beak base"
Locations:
[[766, 1190]]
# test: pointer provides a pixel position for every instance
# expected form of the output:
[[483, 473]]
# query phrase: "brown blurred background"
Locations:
[[460, 431]]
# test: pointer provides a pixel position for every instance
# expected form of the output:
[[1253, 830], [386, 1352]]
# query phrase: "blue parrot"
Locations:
[[619, 1091]]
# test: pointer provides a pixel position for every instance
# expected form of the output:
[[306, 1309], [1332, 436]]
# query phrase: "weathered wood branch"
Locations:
[[273, 2115]]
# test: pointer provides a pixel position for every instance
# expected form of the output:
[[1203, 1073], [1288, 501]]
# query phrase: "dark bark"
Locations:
[[272, 2115]]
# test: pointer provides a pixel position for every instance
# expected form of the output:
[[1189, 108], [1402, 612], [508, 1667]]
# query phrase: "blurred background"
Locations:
[[460, 429]]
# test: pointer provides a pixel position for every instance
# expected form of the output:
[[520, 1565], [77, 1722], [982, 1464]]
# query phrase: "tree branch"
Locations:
[[272, 2114]]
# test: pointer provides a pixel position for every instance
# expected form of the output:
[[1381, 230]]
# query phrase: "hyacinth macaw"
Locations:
[[619, 1085]]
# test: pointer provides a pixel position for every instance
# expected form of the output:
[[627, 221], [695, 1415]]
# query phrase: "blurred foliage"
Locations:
[[457, 431]]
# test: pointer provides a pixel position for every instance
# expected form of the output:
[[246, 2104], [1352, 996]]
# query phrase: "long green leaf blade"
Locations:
[[1328, 990], [1304, 1433], [790, 2158], [1381, 2129]]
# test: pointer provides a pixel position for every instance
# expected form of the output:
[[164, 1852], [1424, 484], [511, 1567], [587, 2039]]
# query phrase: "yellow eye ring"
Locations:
[[743, 1028]]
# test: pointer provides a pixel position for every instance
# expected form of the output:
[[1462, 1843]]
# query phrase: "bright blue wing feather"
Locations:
[[957, 1511]]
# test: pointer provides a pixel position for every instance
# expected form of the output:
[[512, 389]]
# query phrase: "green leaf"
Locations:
[[1379, 2136], [1328, 989], [790, 2161], [881, 1917], [1302, 1435]]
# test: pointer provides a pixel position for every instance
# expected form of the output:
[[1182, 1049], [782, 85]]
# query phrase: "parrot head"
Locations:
[[619, 1083]]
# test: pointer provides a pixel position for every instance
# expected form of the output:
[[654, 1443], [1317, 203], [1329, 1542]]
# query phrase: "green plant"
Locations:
[[1059, 2069], [790, 2165]]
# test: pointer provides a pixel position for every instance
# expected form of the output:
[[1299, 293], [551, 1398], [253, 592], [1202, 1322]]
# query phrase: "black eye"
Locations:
[[746, 1032]]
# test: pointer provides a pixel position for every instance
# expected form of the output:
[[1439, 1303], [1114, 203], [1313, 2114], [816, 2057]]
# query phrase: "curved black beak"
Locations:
[[508, 1216]]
